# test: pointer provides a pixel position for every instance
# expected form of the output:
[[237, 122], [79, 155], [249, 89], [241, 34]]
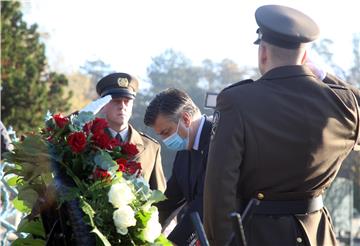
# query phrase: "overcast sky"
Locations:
[[127, 34]]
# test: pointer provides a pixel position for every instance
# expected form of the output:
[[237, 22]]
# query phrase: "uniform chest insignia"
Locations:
[[216, 118], [123, 82]]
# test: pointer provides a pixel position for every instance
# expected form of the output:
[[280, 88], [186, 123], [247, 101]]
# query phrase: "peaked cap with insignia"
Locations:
[[284, 26], [118, 85]]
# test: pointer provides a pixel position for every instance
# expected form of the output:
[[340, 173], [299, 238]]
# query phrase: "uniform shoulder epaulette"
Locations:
[[148, 137], [336, 86], [242, 82]]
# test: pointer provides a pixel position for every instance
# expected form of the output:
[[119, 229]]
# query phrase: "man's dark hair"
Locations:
[[170, 103]]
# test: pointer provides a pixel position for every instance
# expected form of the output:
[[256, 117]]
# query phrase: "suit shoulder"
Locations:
[[148, 138], [243, 82]]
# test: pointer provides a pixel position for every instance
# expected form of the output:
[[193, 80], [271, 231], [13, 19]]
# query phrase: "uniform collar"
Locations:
[[287, 71], [124, 133]]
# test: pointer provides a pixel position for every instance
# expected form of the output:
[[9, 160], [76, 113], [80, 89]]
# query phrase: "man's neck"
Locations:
[[118, 128]]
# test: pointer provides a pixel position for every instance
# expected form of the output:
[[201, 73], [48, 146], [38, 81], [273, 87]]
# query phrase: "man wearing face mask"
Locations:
[[178, 121]]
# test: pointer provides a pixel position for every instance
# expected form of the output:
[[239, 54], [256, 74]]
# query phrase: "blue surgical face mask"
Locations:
[[175, 142]]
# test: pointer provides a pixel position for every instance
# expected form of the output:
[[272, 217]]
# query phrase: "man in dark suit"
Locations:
[[178, 121], [122, 88], [280, 139]]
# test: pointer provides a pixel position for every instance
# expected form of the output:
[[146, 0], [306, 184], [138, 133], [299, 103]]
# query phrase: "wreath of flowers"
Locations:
[[115, 199]]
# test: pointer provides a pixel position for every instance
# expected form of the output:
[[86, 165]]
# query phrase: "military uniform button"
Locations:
[[299, 240], [260, 196]]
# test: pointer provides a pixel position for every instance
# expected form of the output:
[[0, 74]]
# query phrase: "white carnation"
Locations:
[[153, 227], [120, 194], [124, 217]]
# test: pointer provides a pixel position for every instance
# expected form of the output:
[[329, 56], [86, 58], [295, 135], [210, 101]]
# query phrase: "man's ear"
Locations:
[[263, 54], [304, 58], [186, 118]]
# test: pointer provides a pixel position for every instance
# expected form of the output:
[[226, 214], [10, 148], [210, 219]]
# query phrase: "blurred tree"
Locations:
[[354, 73], [28, 89], [56, 92], [80, 84], [96, 69]]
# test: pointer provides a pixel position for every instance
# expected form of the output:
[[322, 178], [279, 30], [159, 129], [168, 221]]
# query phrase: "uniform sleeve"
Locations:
[[331, 79], [157, 178], [223, 170]]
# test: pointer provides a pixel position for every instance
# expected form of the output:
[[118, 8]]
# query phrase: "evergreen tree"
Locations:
[[28, 89]]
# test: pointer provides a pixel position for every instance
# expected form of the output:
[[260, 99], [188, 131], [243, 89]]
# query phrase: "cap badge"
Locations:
[[123, 82]]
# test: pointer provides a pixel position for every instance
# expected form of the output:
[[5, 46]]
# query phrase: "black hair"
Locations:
[[169, 102]]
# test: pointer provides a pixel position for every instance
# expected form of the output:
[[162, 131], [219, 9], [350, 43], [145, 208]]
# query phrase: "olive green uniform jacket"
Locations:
[[149, 157], [286, 135]]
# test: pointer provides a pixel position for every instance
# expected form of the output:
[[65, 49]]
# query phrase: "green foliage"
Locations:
[[28, 89], [104, 160], [34, 227], [28, 242]]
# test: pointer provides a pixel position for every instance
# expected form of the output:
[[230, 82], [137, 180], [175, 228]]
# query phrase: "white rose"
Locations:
[[153, 227], [123, 218], [120, 194]]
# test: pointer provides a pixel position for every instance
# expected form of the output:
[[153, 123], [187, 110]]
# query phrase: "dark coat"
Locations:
[[286, 135], [186, 185]]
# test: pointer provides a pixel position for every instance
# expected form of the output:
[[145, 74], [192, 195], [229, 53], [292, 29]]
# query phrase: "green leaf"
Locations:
[[157, 196], [143, 191], [31, 157], [101, 236], [142, 217], [86, 207], [78, 121], [13, 181], [104, 161], [28, 195], [161, 241], [34, 227], [21, 206], [28, 242]]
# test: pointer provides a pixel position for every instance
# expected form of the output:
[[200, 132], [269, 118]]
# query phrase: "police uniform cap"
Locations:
[[284, 26], [118, 85]]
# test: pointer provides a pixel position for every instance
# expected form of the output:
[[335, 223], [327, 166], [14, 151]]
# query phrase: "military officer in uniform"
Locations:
[[122, 87], [179, 123], [280, 139]]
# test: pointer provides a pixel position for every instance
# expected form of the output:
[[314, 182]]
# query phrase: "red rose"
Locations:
[[129, 149], [60, 120], [121, 168], [113, 143], [101, 174], [77, 141], [99, 125], [121, 161], [101, 140], [132, 167], [87, 127]]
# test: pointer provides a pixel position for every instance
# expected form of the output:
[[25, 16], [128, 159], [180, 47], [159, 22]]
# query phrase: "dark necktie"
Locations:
[[118, 137]]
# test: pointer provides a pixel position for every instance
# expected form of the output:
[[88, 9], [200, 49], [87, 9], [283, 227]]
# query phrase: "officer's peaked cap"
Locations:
[[118, 85], [284, 26]]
